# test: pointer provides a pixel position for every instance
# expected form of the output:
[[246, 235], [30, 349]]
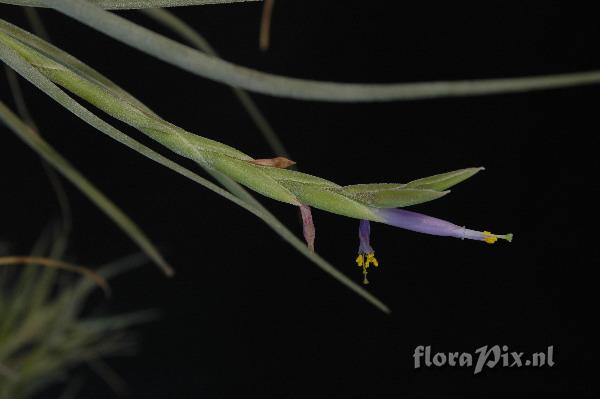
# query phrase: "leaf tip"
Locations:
[[168, 270]]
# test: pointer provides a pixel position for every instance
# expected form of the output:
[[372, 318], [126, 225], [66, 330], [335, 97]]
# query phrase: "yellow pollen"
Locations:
[[365, 261], [489, 237], [360, 260], [371, 259]]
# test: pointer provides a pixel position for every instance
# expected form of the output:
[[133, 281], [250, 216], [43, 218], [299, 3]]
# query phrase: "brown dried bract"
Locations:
[[278, 162], [265, 25]]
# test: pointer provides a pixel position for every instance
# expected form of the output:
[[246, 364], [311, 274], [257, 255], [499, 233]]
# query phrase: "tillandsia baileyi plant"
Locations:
[[270, 177], [52, 70]]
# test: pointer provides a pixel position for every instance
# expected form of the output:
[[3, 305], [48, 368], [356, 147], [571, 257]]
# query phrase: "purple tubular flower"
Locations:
[[366, 254], [364, 233], [415, 222], [429, 225]]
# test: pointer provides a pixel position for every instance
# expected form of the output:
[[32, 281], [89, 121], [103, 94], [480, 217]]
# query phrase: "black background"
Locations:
[[247, 313]]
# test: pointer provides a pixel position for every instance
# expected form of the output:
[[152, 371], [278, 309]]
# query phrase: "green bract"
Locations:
[[292, 187]]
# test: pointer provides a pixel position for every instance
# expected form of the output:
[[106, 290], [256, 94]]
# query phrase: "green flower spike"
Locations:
[[368, 202]]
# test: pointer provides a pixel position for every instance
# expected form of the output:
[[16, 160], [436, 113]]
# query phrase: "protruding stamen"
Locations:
[[365, 261], [429, 225], [371, 259], [491, 238], [366, 254], [360, 260]]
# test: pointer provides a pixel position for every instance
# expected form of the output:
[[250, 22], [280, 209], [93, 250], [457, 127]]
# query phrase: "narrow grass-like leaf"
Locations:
[[222, 71], [30, 73], [63, 58], [131, 4], [184, 30], [36, 23], [63, 166], [57, 185]]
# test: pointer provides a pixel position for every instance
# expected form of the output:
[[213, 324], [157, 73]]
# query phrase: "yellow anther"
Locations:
[[489, 237], [371, 259], [360, 260], [365, 261]]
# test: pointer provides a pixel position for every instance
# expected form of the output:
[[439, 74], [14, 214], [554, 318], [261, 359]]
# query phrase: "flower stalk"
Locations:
[[269, 177]]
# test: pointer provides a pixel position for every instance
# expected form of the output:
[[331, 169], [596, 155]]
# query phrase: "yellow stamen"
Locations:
[[360, 261], [371, 259], [365, 281], [365, 261], [489, 237]]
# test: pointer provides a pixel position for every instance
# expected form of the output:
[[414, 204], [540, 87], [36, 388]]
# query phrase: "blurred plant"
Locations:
[[45, 332]]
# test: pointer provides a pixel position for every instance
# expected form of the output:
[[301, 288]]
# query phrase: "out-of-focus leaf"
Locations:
[[234, 75], [45, 341], [188, 33], [55, 264], [130, 4], [63, 166]]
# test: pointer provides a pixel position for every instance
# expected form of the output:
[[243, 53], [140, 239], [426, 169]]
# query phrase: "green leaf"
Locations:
[[331, 200], [64, 167], [445, 180], [390, 195], [129, 4], [254, 177], [188, 33], [238, 76], [63, 58]]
